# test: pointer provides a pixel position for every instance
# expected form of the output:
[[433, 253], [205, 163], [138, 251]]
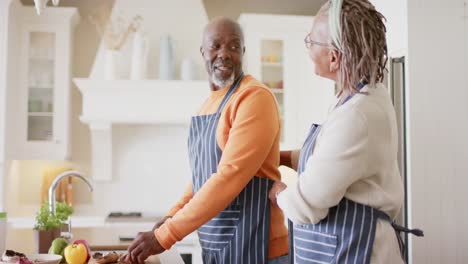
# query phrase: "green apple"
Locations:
[[57, 247]]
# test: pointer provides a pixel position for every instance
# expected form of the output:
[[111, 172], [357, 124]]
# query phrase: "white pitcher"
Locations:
[[166, 58], [188, 70], [40, 5], [139, 57], [111, 64]]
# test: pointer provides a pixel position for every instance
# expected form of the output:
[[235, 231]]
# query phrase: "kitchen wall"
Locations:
[[151, 171], [151, 168], [11, 95], [86, 44], [438, 110], [24, 185], [30, 172], [4, 17], [433, 36], [395, 13], [141, 171], [161, 17]]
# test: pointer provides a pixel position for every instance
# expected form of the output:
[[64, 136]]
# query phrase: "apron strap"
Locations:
[[360, 85], [230, 92], [415, 231], [398, 228]]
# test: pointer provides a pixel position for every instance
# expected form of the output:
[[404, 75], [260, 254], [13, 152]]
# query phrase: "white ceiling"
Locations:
[[232, 8], [229, 8]]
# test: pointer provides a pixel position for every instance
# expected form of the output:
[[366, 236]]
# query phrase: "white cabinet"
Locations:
[[42, 109], [276, 55]]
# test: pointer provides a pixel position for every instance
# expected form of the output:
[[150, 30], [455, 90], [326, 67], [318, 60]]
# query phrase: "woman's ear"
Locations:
[[201, 51], [334, 57]]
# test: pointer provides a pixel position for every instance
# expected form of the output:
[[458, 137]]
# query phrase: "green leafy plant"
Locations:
[[45, 220]]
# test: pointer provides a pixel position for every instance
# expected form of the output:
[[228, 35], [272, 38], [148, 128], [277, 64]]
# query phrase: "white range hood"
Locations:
[[108, 102]]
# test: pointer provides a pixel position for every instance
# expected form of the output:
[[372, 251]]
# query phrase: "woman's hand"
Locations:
[[275, 190]]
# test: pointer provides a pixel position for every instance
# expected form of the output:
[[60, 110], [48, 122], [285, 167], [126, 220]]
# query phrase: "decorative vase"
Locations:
[[139, 56], [166, 58], [40, 5], [43, 239], [111, 66], [188, 70]]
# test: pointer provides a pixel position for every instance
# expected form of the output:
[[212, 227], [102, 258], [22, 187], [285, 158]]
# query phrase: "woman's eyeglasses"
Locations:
[[309, 42]]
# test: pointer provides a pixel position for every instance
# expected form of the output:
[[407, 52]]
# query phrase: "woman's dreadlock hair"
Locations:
[[359, 35]]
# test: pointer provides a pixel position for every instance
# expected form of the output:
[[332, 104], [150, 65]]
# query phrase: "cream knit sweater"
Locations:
[[355, 156]]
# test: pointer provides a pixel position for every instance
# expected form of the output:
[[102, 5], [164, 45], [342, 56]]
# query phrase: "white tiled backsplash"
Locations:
[[151, 170]]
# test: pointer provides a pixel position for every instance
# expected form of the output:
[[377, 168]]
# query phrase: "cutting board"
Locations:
[[171, 256], [150, 260]]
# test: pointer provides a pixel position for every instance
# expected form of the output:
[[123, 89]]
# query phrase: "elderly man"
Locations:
[[233, 152]]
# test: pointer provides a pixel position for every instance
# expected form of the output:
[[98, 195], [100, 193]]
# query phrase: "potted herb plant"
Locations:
[[48, 226]]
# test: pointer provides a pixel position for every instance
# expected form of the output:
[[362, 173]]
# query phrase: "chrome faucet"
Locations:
[[57, 180]]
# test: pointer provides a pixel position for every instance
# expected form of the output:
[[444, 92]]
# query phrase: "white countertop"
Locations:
[[81, 222], [99, 231]]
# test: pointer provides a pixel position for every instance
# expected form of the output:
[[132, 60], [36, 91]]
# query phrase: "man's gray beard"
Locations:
[[222, 83]]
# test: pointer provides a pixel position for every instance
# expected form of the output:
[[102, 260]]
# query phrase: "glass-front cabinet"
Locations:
[[41, 86], [272, 72], [42, 128], [276, 55]]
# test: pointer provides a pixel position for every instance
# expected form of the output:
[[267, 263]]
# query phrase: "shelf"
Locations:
[[41, 87], [272, 64], [42, 59], [41, 114]]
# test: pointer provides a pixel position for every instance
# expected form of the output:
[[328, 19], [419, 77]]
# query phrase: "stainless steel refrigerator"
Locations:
[[397, 83]]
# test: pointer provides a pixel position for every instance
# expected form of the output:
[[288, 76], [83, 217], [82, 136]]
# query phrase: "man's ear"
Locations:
[[243, 50], [201, 51], [334, 57]]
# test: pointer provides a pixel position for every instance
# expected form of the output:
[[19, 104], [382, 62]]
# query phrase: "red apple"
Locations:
[[82, 241]]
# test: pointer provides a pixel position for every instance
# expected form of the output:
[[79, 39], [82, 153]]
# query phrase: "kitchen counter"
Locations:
[[86, 222], [99, 231], [28, 222], [105, 239], [109, 237], [102, 235]]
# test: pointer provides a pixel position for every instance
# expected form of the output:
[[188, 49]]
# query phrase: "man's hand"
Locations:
[[275, 190], [144, 245]]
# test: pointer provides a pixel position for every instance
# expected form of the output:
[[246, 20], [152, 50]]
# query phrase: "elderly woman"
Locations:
[[349, 188]]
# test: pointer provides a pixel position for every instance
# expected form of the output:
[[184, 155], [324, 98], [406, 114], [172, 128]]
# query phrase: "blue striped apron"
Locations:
[[346, 235], [240, 233]]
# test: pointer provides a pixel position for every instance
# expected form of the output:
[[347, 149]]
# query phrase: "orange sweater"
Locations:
[[248, 133]]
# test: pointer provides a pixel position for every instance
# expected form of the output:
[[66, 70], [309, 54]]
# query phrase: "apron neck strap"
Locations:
[[230, 92], [360, 85]]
